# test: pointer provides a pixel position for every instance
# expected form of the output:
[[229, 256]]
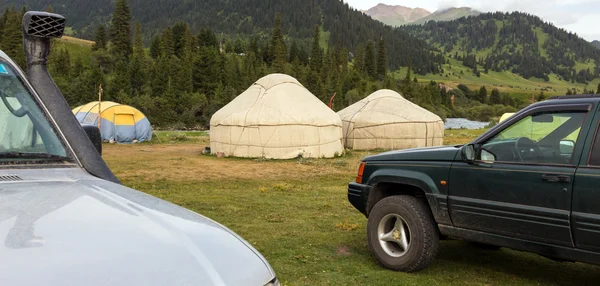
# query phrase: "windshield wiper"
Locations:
[[31, 155]]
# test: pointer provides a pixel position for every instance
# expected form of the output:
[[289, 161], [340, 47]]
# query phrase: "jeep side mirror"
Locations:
[[94, 134], [567, 146], [468, 153]]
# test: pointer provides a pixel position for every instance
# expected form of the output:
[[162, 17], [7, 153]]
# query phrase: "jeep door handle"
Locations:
[[556, 178]]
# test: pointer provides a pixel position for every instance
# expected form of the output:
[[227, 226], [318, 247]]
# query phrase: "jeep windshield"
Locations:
[[25, 133]]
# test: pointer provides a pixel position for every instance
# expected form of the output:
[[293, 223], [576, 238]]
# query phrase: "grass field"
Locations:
[[78, 48], [296, 213]]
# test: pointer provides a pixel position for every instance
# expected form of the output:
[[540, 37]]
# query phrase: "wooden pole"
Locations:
[[99, 104], [331, 101]]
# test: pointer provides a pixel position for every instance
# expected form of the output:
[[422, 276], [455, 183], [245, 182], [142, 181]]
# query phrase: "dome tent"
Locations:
[[535, 130], [505, 116], [276, 118], [120, 123], [386, 120]]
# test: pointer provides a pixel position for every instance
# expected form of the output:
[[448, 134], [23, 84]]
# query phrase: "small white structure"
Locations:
[[276, 118], [386, 120]]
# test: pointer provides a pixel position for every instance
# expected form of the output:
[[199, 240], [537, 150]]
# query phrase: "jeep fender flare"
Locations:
[[437, 201]]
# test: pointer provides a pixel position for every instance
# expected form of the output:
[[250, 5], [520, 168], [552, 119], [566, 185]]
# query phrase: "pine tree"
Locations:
[[120, 30], [167, 43], [181, 39], [314, 84], [155, 47], [316, 55], [495, 96], [294, 53], [343, 62], [138, 42], [238, 46], [569, 91], [408, 74], [206, 70], [482, 95], [119, 88], [278, 48], [359, 60], [370, 66], [541, 96], [99, 38], [12, 43], [381, 60], [138, 68], [253, 46], [63, 63]]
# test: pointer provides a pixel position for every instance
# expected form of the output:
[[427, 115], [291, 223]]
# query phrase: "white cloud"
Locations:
[[445, 4]]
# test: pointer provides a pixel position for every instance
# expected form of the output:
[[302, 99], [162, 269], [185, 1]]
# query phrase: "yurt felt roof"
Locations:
[[275, 100], [385, 107]]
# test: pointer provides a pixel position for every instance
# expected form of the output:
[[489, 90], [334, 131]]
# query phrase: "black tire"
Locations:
[[485, 246], [423, 235]]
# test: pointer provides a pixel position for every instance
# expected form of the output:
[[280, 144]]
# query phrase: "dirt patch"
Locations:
[[77, 41], [343, 250], [186, 162]]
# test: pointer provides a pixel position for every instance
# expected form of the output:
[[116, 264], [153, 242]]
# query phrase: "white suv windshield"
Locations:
[[25, 133]]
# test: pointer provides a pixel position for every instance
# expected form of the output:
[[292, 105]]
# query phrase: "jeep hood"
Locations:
[[65, 227], [444, 153]]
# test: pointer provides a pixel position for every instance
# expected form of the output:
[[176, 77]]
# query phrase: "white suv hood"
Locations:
[[65, 227]]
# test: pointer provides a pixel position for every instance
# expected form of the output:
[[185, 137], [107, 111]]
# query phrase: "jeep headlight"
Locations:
[[273, 282]]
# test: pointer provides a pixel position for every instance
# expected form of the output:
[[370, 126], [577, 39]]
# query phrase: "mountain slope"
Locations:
[[396, 15], [400, 15], [515, 42], [252, 17], [447, 15], [596, 44]]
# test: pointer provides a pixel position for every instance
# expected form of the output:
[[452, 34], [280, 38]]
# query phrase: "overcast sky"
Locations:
[[578, 16]]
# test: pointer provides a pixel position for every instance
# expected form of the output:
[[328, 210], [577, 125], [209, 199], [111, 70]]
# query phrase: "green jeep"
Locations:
[[531, 183]]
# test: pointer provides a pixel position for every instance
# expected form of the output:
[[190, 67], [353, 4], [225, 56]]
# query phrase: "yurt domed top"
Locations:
[[276, 118], [120, 123], [276, 99], [386, 106], [386, 120]]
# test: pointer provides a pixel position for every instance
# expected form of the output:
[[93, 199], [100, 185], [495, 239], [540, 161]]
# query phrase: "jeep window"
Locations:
[[25, 133], [594, 159], [546, 138]]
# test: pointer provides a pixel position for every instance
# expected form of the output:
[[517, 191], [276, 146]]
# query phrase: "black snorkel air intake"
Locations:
[[38, 29]]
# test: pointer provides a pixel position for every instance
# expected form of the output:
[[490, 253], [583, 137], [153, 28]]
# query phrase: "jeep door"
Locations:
[[585, 216], [521, 181]]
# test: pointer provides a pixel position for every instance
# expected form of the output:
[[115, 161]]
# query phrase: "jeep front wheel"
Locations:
[[402, 234]]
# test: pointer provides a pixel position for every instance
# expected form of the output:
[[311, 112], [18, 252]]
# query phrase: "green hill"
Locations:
[[518, 43]]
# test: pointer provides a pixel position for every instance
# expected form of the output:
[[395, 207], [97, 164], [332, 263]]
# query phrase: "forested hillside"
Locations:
[[339, 21], [515, 42], [185, 71], [183, 77]]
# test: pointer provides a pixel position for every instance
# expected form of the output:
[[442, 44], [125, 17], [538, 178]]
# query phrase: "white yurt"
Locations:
[[276, 118], [386, 120]]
